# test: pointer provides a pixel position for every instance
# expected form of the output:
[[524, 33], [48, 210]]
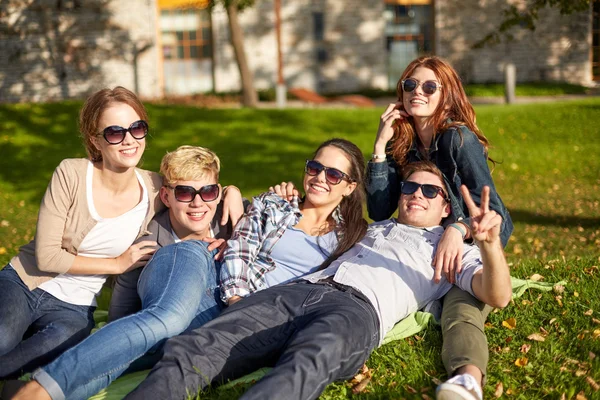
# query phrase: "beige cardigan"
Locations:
[[64, 220]]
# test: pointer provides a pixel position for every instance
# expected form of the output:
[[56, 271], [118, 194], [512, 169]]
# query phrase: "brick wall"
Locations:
[[57, 50], [559, 48]]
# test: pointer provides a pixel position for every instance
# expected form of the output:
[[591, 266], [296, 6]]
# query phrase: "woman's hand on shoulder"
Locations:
[[385, 132], [285, 190], [448, 256], [136, 256], [216, 244], [233, 205]]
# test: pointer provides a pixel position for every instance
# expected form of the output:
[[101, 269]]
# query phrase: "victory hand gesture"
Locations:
[[485, 223]]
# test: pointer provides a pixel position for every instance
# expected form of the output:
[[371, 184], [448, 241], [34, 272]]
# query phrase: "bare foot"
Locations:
[[32, 390]]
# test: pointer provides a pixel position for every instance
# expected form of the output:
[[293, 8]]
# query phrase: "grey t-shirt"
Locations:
[[392, 267], [297, 253]]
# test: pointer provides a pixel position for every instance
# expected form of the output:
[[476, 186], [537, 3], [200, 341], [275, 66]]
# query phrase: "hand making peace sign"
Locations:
[[485, 223]]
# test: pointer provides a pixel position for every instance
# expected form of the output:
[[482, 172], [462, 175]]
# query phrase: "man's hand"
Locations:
[[285, 190], [233, 205], [485, 223]]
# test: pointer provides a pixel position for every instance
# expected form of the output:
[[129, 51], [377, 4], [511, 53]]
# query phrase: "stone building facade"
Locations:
[[52, 50]]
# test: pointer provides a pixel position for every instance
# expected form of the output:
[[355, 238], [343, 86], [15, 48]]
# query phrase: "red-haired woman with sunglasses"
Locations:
[[433, 120], [91, 214]]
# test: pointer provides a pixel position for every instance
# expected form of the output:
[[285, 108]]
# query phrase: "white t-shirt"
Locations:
[[109, 238]]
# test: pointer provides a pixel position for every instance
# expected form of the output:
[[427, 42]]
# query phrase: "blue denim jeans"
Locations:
[[35, 327], [178, 288], [311, 334]]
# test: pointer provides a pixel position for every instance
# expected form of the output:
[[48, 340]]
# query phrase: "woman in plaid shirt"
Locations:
[[279, 240]]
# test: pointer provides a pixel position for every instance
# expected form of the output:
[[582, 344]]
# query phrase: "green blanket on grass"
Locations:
[[409, 326]]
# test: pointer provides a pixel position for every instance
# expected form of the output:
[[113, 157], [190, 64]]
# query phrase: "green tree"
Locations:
[[527, 17]]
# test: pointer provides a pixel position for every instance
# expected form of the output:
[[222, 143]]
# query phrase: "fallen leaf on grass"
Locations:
[[580, 372], [558, 288], [525, 348], [545, 332], [509, 391], [510, 323], [559, 300], [588, 312], [591, 355], [536, 277], [596, 334], [537, 337], [521, 362], [361, 380], [592, 383], [552, 321], [596, 321], [4, 223], [576, 294], [361, 386], [581, 336], [2, 250], [499, 390], [410, 389], [425, 397], [526, 302], [580, 396]]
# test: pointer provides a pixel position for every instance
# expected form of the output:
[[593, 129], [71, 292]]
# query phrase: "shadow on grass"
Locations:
[[529, 217], [257, 148]]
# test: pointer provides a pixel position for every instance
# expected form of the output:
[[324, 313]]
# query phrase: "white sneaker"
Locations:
[[459, 387]]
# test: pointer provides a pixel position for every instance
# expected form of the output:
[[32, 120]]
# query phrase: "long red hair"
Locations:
[[453, 106]]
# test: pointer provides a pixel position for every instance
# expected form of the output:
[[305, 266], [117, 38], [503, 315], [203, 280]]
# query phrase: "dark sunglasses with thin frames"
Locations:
[[429, 191], [115, 134], [332, 175], [429, 87], [187, 194]]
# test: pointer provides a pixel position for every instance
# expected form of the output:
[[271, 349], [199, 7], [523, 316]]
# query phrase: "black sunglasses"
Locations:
[[115, 134], [429, 191], [429, 87], [332, 175], [187, 194]]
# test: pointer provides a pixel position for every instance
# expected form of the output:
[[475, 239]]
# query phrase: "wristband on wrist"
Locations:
[[378, 156], [459, 228]]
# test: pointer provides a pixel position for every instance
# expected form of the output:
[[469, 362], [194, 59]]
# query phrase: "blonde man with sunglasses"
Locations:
[[172, 296]]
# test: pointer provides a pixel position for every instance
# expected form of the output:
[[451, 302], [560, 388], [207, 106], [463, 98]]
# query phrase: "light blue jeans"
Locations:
[[179, 290]]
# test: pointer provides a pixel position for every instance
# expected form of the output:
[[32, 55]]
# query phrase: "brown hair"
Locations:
[[453, 106], [92, 110], [424, 166], [353, 226], [189, 163]]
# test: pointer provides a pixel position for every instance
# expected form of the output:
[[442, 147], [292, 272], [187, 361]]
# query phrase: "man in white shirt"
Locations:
[[324, 327]]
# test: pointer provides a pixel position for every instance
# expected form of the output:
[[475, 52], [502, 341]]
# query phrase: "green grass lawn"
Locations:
[[548, 176]]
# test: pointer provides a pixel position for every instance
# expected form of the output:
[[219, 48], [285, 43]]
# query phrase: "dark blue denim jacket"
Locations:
[[461, 158]]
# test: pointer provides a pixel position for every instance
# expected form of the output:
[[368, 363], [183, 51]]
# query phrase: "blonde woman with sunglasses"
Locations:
[[433, 120], [92, 212]]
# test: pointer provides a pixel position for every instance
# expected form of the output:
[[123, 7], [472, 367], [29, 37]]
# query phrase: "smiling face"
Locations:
[[191, 220], [416, 209], [126, 154], [418, 104], [318, 191]]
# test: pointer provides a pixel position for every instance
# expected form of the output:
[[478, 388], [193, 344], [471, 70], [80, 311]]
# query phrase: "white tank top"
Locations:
[[109, 238]]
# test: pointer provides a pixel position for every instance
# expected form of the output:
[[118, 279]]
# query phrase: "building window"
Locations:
[[186, 34], [596, 40], [409, 33]]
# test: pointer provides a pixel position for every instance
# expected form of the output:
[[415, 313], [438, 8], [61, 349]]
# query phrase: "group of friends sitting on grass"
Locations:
[[208, 288]]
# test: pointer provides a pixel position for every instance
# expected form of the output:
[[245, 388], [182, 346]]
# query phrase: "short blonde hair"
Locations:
[[189, 163]]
